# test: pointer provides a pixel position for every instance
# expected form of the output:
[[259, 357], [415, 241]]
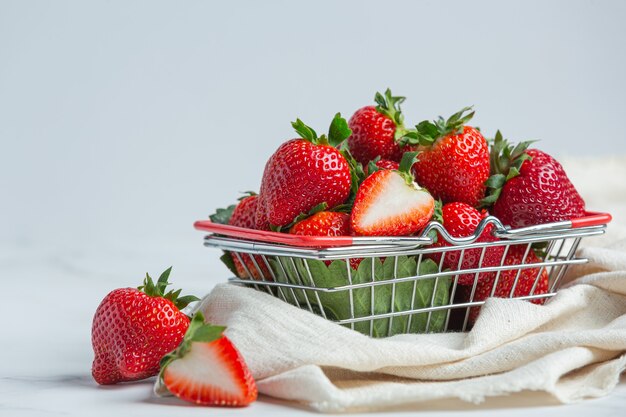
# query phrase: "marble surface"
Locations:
[[52, 288]]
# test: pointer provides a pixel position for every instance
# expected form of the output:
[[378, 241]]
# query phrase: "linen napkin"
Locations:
[[573, 347]]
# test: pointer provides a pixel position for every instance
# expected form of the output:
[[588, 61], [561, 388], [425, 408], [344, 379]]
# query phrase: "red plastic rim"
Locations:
[[591, 219]]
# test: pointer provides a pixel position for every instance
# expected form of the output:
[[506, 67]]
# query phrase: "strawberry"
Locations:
[[390, 203], [326, 223], [530, 187], [134, 328], [376, 130], [525, 284], [244, 215], [304, 173], [207, 368], [454, 160], [378, 164], [461, 220], [323, 223]]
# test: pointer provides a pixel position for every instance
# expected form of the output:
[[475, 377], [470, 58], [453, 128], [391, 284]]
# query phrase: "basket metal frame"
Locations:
[[561, 240]]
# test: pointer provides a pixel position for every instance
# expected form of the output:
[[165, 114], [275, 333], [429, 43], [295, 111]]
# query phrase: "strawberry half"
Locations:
[[376, 130], [461, 220], [454, 160], [134, 328], [390, 203], [304, 173], [207, 369], [529, 187]]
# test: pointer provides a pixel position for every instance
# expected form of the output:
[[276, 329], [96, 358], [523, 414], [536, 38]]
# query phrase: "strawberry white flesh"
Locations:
[[387, 205], [209, 370]]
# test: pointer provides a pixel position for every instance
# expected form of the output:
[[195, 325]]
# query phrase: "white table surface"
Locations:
[[53, 288]]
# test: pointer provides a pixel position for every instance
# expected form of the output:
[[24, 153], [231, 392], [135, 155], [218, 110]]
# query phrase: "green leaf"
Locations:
[[227, 260], [407, 161], [162, 282], [496, 181], [305, 132], [207, 333], [184, 301], [222, 216], [338, 131]]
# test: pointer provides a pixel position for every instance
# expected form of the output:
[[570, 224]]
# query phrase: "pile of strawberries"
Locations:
[[373, 176], [369, 176]]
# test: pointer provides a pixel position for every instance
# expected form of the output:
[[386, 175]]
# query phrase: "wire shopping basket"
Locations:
[[381, 286]]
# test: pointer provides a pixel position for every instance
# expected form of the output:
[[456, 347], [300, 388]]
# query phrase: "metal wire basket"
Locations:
[[383, 286]]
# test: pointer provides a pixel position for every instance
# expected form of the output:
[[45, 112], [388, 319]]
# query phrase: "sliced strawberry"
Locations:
[[207, 369], [390, 203]]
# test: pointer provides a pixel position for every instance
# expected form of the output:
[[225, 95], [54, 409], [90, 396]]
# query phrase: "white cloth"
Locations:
[[573, 347]]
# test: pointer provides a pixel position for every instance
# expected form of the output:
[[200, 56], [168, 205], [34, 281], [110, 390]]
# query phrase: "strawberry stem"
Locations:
[[426, 133], [337, 132], [158, 290], [505, 161]]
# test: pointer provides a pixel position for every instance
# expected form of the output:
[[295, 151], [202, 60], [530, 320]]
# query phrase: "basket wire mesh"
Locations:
[[396, 300]]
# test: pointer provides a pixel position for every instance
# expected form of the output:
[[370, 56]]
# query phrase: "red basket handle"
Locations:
[[272, 237], [591, 219]]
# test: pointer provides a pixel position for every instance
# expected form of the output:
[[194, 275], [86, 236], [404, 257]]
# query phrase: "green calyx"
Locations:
[[438, 217], [505, 161], [357, 175], [198, 331], [427, 132], [389, 105], [223, 215], [158, 290], [406, 163], [337, 132]]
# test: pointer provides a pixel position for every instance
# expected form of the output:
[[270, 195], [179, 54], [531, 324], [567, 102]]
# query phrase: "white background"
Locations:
[[123, 122]]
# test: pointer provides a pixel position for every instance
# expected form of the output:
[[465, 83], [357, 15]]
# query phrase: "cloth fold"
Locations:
[[573, 347]]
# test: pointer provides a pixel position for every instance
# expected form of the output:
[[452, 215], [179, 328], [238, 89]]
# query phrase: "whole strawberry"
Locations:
[[378, 164], [376, 130], [461, 220], [326, 223], [454, 160], [530, 281], [134, 328], [304, 173], [208, 369], [323, 223], [244, 215], [390, 203], [530, 187]]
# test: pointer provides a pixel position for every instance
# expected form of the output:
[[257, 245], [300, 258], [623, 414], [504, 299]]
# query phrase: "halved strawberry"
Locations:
[[207, 368], [390, 203]]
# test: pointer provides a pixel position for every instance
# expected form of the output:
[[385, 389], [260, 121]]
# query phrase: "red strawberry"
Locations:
[[375, 165], [326, 223], [454, 160], [390, 203], [244, 215], [530, 187], [461, 220], [304, 173], [134, 328], [323, 223], [506, 280], [207, 369], [376, 130]]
